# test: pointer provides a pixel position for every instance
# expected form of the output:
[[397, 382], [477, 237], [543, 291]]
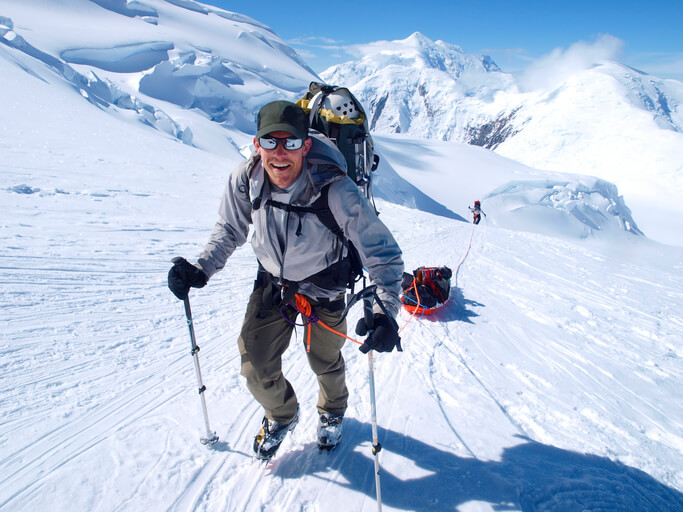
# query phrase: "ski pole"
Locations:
[[376, 446], [211, 436]]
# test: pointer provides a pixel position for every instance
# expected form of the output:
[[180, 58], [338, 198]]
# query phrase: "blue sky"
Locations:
[[644, 35]]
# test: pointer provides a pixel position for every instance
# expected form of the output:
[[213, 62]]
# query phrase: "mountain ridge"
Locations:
[[607, 120]]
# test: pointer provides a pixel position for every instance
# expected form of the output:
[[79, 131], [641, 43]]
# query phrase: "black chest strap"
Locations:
[[320, 207]]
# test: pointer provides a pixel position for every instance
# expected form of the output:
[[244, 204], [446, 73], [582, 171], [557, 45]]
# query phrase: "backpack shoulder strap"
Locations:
[[321, 208]]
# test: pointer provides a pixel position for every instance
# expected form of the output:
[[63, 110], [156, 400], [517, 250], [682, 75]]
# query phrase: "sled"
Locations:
[[419, 310], [426, 290]]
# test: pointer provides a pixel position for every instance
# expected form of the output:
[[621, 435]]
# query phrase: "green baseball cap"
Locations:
[[282, 116]]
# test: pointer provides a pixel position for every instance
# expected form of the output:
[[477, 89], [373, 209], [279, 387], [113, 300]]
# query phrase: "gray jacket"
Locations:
[[315, 247]]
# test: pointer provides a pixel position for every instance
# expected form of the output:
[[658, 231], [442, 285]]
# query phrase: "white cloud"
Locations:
[[557, 66], [662, 65], [316, 41], [321, 52]]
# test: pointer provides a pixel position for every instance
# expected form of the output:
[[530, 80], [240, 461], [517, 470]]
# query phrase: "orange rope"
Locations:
[[304, 307], [469, 245], [416, 307]]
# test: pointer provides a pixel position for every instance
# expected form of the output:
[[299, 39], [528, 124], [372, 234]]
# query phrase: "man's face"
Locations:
[[283, 166]]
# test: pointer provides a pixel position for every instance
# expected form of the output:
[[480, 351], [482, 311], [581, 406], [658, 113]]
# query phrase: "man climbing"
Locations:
[[477, 212], [273, 191]]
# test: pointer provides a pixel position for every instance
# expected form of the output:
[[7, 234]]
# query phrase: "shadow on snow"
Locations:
[[455, 309], [529, 476]]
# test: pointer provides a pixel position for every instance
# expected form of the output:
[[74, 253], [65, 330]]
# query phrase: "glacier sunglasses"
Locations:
[[288, 143]]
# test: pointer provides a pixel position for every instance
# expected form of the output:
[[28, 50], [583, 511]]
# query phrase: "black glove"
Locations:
[[184, 275], [383, 338]]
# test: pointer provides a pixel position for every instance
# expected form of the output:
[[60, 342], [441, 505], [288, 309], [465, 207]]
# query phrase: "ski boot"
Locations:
[[269, 439], [329, 430]]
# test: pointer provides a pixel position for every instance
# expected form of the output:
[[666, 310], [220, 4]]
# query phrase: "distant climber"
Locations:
[[477, 212]]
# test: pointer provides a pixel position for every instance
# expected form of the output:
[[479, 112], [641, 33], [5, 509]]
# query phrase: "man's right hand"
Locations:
[[183, 276]]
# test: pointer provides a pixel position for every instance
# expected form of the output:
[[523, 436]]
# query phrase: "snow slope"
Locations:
[[173, 65], [513, 195], [551, 381]]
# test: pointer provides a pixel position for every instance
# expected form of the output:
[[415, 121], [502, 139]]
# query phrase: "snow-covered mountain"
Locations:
[[419, 87], [608, 121], [551, 380], [199, 74]]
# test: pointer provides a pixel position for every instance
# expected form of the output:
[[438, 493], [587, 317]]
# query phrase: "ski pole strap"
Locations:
[[368, 291], [367, 314], [368, 294]]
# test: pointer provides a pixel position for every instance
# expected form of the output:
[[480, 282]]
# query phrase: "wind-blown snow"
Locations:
[[551, 70], [551, 381], [170, 65]]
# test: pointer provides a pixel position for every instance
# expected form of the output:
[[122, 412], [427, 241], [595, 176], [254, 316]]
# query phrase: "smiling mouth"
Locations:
[[281, 167]]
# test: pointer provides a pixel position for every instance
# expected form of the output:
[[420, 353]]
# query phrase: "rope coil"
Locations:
[[303, 306]]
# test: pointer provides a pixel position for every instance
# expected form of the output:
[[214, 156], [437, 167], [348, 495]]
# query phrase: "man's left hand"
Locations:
[[383, 338]]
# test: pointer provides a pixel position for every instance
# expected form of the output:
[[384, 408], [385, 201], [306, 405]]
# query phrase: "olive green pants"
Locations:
[[262, 343]]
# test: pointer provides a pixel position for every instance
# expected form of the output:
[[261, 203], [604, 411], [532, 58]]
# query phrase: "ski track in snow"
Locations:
[[493, 403], [549, 382]]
